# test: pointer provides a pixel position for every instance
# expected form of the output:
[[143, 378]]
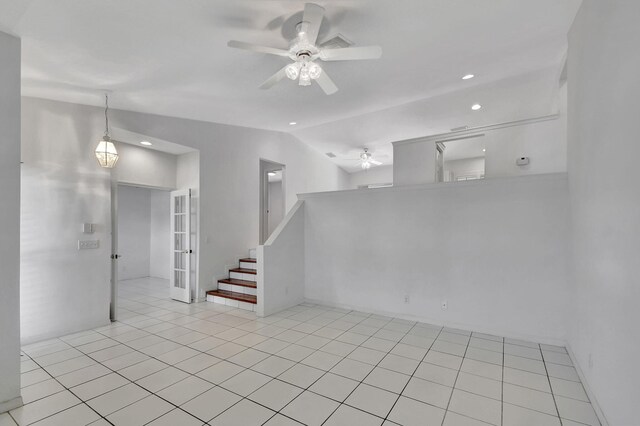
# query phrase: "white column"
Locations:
[[9, 222]]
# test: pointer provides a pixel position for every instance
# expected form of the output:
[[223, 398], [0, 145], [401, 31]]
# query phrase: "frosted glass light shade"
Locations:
[[106, 153], [292, 71], [314, 71]]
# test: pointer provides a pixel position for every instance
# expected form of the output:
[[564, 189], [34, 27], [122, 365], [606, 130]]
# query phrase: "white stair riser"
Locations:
[[239, 276], [248, 265], [237, 288], [232, 303]]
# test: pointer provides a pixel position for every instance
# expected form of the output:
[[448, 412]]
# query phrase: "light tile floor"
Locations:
[[168, 363]]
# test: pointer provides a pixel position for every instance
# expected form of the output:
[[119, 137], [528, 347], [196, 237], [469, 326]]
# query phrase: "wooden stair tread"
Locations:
[[235, 281], [241, 297], [243, 271], [248, 260]]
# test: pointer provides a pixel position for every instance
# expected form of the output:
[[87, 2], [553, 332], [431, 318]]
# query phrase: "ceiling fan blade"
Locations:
[[375, 162], [271, 81], [255, 48], [351, 53], [313, 17], [326, 84]]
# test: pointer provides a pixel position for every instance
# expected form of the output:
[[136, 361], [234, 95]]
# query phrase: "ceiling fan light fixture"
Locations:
[[366, 165]]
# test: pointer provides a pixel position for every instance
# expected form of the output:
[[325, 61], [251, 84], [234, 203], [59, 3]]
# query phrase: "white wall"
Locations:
[[604, 88], [375, 175], [63, 290], [145, 167], [281, 265], [544, 142], [414, 163], [63, 187], [464, 167], [134, 232], [160, 235], [9, 222], [276, 205], [496, 250], [230, 180]]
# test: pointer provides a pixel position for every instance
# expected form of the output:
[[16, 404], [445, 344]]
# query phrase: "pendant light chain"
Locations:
[[106, 152], [106, 114]]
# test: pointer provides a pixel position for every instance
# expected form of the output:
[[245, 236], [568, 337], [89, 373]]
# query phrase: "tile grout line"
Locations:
[[369, 336], [453, 388], [243, 397], [555, 404], [307, 389], [238, 326], [82, 401], [365, 378], [414, 372]]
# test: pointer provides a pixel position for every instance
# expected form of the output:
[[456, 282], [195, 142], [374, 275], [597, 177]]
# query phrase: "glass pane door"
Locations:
[[181, 245]]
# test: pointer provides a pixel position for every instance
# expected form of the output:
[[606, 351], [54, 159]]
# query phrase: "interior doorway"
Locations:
[[272, 197], [460, 159], [155, 199], [141, 220], [143, 233]]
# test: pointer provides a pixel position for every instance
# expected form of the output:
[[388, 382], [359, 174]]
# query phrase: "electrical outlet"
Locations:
[[88, 244], [406, 299], [444, 305]]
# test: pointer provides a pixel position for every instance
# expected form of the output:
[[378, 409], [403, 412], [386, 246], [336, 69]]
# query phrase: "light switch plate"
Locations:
[[88, 244]]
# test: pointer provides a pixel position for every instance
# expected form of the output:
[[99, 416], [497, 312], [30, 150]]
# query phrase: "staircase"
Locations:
[[239, 290]]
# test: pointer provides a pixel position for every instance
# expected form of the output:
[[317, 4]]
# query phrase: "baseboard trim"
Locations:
[[61, 333], [281, 308], [587, 388], [462, 326], [10, 405]]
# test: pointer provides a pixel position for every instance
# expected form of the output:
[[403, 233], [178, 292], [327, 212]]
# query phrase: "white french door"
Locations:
[[180, 278]]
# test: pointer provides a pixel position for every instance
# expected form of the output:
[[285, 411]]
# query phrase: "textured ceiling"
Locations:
[[170, 57]]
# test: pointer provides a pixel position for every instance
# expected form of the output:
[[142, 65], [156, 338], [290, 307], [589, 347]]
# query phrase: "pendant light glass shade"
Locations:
[[106, 153]]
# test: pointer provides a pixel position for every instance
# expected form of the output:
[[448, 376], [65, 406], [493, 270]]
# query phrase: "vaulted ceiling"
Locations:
[[170, 57]]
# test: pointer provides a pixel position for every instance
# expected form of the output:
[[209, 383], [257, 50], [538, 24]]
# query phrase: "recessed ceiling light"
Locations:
[[484, 150], [476, 107], [468, 77], [146, 143], [271, 173], [292, 123]]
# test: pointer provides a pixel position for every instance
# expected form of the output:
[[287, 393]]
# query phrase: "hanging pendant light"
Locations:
[[106, 152]]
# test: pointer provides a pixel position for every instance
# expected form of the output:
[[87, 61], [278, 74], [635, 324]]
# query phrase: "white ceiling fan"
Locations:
[[304, 50], [366, 160]]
